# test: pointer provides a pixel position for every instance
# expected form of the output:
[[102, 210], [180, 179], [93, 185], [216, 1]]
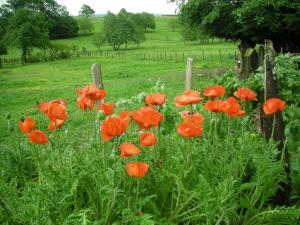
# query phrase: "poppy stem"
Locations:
[[273, 126], [159, 145], [137, 193]]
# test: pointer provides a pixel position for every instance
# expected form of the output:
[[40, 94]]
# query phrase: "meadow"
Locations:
[[226, 175]]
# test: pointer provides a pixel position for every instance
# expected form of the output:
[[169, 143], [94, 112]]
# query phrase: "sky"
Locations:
[[102, 6]]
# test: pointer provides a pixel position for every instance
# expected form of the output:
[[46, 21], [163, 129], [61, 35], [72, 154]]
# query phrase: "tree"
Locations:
[[86, 11], [121, 29], [27, 29], [57, 18], [98, 40], [3, 24], [145, 20], [248, 21], [85, 25]]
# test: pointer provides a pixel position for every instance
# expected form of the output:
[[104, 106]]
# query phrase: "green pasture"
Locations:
[[160, 39]]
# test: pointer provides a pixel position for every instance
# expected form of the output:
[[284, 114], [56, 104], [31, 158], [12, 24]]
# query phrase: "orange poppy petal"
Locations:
[[27, 125], [38, 137], [129, 149], [147, 139], [137, 169]]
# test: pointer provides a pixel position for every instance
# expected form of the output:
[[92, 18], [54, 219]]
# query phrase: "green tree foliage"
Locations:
[[86, 11], [98, 40], [248, 21], [121, 29], [145, 20], [3, 24], [27, 29], [59, 22], [85, 25]]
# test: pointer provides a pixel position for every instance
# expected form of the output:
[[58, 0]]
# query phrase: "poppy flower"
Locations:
[[195, 118], [108, 108], [273, 105], [189, 130], [137, 169], [27, 125], [113, 127], [214, 91], [214, 106], [245, 94], [147, 117], [57, 112], [91, 91], [155, 99], [85, 103], [232, 108], [129, 149], [55, 124], [147, 139], [44, 107], [38, 137], [188, 97]]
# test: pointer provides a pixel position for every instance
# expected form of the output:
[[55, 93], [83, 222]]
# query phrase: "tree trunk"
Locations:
[[248, 59], [277, 133], [24, 53], [261, 55]]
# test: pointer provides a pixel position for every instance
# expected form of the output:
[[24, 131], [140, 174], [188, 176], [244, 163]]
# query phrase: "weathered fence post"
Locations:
[[97, 76], [276, 132], [189, 74]]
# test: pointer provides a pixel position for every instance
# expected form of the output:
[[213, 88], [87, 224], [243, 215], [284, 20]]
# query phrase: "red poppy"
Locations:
[[155, 99], [44, 107], [108, 108], [273, 105], [147, 117], [129, 149], [147, 139], [189, 130], [27, 125], [55, 124], [232, 108], [188, 97], [85, 103], [137, 169], [196, 118], [245, 94], [91, 91], [112, 127], [214, 91], [214, 106], [57, 112], [38, 137]]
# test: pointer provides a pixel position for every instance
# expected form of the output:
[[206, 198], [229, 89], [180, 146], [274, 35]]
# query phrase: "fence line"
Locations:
[[163, 55]]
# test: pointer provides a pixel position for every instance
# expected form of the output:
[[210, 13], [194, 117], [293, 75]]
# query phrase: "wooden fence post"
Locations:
[[189, 74], [97, 76], [277, 133]]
